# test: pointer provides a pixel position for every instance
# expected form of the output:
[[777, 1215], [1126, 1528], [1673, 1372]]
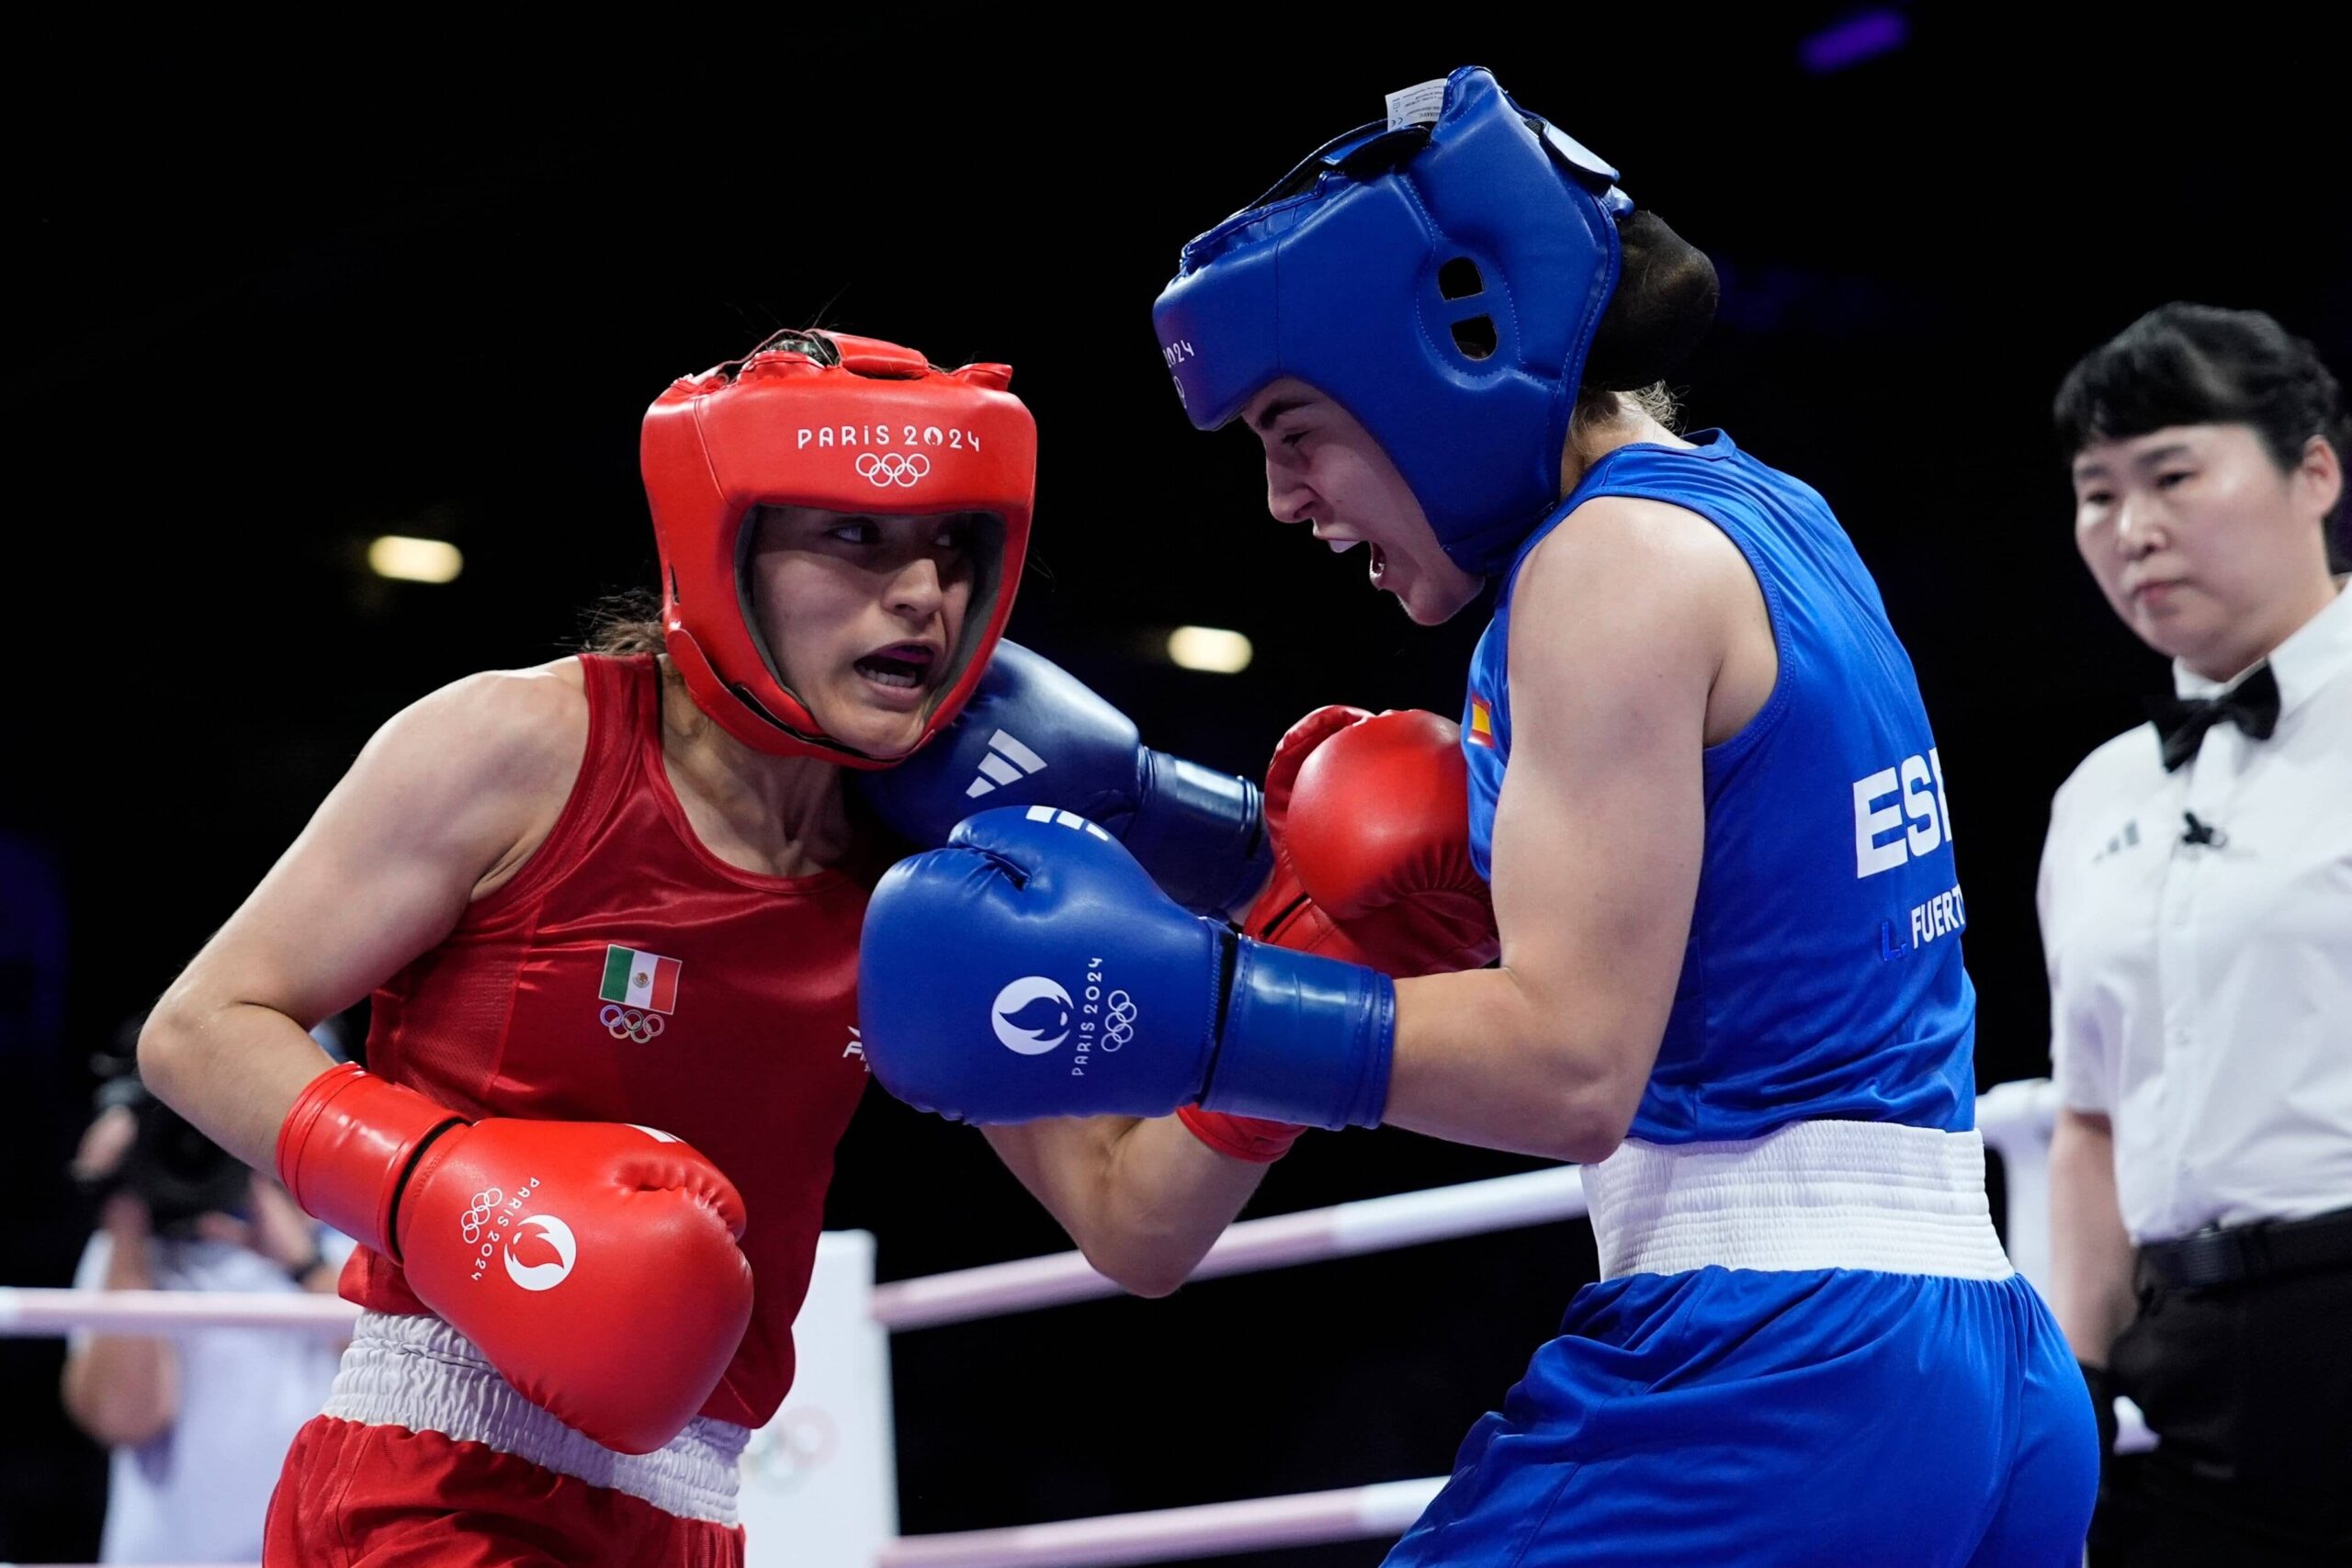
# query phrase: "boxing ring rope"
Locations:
[[2015, 1118], [33, 1312], [1345, 1230], [1307, 1519]]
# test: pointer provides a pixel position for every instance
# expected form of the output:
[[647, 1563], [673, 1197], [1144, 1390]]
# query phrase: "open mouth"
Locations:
[[902, 666], [1342, 544]]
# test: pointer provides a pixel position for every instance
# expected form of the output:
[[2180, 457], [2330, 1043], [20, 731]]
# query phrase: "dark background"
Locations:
[[272, 297]]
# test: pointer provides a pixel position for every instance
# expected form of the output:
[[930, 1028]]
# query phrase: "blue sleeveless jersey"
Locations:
[[1823, 979]]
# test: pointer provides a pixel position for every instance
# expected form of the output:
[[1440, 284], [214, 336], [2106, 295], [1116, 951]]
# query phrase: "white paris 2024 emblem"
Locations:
[[559, 1237], [1032, 1015]]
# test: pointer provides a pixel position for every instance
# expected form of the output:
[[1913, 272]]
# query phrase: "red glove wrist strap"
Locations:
[[348, 1145]]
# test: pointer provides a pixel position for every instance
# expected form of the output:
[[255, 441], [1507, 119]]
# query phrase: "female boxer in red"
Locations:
[[614, 902], [568, 888]]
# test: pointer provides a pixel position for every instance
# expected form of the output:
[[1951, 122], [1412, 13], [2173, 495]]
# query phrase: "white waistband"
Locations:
[[1812, 1195], [418, 1372]]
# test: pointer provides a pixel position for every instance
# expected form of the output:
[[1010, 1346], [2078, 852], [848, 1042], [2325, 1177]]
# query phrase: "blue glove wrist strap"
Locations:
[[1306, 1039], [1202, 834]]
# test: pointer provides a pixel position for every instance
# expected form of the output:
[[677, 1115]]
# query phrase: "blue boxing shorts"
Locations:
[[1804, 1350]]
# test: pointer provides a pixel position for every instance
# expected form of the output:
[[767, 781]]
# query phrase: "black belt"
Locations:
[[2219, 1256]]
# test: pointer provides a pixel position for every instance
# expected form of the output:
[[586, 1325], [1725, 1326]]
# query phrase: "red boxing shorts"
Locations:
[[433, 1459]]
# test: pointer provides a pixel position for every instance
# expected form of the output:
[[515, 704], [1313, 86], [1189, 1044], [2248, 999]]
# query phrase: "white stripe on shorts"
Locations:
[[1812, 1195], [418, 1372]]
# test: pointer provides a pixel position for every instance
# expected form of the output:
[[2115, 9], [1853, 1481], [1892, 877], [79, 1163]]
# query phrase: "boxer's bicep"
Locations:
[[386, 866], [1599, 837], [381, 873]]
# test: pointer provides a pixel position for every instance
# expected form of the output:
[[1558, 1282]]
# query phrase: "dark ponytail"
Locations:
[[1663, 304]]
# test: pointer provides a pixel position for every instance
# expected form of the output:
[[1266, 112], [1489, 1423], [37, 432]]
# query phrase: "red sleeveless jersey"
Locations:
[[626, 973]]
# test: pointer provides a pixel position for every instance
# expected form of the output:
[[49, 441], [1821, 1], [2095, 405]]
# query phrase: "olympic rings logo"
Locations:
[[886, 468], [1121, 1027], [797, 1441], [628, 1023], [477, 1213]]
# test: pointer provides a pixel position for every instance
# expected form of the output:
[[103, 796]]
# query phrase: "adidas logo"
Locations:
[[1006, 762], [1061, 819]]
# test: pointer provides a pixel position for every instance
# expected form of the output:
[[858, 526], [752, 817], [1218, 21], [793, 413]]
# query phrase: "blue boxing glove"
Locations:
[[1034, 735], [1031, 968]]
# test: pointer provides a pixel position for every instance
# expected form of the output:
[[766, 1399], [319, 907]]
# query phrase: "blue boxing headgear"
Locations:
[[1442, 282]]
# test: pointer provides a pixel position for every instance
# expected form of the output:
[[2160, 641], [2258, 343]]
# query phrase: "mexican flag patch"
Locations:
[[645, 980]]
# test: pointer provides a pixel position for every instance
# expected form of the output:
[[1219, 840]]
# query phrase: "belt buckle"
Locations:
[[2254, 1250], [2209, 1257]]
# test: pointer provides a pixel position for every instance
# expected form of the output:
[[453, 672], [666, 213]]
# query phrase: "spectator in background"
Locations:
[[196, 1422], [2196, 903]]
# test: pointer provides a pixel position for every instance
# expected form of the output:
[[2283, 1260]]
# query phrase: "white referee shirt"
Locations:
[[2200, 995]]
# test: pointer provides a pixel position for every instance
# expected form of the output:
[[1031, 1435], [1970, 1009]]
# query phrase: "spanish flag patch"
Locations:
[[1482, 723]]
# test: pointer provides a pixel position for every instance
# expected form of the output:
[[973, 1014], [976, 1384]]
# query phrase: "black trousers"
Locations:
[[2248, 1388]]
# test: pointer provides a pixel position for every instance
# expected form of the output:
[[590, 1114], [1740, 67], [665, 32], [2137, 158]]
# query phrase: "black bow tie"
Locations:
[[2181, 722]]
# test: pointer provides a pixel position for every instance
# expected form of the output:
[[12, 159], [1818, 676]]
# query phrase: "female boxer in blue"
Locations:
[[1705, 792]]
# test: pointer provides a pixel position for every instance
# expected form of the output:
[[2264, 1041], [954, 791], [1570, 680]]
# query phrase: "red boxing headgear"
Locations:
[[850, 425]]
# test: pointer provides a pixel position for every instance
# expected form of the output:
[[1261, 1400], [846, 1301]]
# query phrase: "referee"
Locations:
[[2195, 900]]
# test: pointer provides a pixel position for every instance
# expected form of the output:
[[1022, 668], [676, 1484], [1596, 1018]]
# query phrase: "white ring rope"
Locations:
[[2015, 1119], [1344, 1230], [26, 1312], [1309, 1518], [2017, 1114]]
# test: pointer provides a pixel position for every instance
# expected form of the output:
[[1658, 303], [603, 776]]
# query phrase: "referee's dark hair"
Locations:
[[2183, 364]]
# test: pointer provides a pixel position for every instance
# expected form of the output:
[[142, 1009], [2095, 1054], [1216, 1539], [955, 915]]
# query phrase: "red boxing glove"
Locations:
[[1370, 821], [593, 1262], [1379, 833]]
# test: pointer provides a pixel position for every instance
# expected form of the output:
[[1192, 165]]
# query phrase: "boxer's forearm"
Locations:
[[1480, 1059], [1143, 1199], [232, 1068]]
